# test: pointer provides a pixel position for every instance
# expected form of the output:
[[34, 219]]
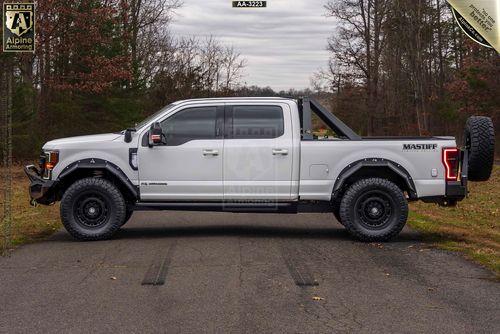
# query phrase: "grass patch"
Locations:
[[473, 226], [28, 223]]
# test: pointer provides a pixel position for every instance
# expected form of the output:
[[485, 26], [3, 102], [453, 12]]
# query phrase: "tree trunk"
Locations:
[[6, 66], [135, 10]]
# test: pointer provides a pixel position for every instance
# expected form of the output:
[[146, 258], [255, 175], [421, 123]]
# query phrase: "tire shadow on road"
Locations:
[[250, 231]]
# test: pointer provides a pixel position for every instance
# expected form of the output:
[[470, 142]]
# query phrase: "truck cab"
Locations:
[[222, 150]]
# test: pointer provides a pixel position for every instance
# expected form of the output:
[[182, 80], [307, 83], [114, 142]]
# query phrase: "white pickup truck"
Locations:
[[255, 155]]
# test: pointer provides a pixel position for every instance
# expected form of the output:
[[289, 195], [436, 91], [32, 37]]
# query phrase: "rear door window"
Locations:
[[255, 122]]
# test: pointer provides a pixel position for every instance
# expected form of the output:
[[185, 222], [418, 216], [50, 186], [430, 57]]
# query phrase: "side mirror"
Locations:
[[155, 135], [128, 135]]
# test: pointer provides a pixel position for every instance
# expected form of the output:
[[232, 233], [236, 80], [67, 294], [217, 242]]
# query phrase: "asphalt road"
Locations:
[[242, 273]]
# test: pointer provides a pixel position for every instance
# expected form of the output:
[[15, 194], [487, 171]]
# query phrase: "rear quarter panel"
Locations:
[[334, 155]]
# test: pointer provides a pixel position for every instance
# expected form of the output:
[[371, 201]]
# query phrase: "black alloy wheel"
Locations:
[[92, 209], [374, 209]]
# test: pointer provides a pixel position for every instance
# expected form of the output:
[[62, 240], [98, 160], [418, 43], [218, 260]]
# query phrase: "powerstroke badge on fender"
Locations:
[[419, 147]]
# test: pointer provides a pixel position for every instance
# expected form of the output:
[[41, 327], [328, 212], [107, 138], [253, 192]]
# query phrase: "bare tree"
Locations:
[[409, 61], [146, 22], [359, 42], [191, 67], [233, 66]]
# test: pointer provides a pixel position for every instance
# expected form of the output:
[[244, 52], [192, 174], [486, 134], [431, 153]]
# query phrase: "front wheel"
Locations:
[[92, 209], [374, 209]]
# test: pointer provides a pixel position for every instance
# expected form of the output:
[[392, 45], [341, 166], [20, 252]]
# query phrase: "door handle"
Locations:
[[210, 152], [281, 151]]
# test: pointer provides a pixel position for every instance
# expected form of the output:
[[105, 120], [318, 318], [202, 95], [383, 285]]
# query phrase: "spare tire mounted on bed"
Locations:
[[479, 139]]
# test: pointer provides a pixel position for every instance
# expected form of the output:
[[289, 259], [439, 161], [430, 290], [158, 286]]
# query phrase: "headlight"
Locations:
[[48, 162]]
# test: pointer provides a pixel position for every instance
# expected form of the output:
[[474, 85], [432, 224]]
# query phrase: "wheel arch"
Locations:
[[375, 167], [94, 167]]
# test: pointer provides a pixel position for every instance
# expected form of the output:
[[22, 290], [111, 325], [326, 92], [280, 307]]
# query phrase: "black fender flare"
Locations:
[[375, 162], [95, 163]]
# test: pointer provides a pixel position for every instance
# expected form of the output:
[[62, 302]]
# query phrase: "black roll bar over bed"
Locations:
[[307, 105]]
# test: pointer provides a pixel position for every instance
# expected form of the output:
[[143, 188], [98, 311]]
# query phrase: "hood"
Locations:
[[81, 139]]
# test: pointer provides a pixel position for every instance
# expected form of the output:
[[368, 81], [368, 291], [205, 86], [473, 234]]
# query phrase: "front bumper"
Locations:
[[41, 191]]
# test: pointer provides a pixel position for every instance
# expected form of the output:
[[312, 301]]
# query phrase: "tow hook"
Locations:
[[33, 203]]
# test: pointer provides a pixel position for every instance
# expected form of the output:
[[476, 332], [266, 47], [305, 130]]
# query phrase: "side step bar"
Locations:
[[248, 207]]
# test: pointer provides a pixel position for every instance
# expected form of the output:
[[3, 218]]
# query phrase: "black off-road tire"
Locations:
[[374, 209], [92, 209], [479, 138], [128, 214], [336, 208]]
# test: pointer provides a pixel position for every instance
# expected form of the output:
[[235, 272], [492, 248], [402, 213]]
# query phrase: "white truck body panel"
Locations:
[[188, 175], [333, 156], [260, 169], [247, 169], [109, 147]]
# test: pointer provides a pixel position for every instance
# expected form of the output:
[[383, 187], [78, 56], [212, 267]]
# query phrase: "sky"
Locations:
[[284, 44]]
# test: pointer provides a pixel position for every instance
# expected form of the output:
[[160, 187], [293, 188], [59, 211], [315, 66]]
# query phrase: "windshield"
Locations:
[[153, 116]]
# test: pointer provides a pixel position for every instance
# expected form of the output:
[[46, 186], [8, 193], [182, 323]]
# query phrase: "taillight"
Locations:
[[451, 162]]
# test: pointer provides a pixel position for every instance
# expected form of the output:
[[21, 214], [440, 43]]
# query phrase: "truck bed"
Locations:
[[408, 138]]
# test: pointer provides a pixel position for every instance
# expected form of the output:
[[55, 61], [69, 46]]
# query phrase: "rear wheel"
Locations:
[[128, 214], [92, 209], [374, 209], [336, 208]]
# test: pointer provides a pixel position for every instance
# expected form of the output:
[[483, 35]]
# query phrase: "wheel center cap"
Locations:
[[92, 210], [374, 211]]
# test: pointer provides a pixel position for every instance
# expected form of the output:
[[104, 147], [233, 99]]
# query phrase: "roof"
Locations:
[[239, 98]]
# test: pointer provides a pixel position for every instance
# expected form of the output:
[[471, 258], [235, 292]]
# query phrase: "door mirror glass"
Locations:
[[155, 135]]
